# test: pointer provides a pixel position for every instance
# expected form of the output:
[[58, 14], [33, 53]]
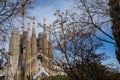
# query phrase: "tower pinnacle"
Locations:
[[44, 24], [33, 21]]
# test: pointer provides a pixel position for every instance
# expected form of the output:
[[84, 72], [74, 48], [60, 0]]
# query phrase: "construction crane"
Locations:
[[24, 2]]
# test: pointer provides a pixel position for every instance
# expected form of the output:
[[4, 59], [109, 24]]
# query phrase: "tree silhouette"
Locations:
[[115, 12]]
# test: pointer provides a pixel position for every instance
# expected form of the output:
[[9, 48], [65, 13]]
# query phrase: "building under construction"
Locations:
[[30, 56]]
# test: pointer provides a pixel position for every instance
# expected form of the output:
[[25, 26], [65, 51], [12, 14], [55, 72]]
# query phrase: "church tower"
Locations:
[[28, 54], [33, 49], [45, 47], [51, 52], [31, 56]]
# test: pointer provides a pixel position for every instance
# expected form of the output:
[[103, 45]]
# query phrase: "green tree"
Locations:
[[57, 77], [2, 77], [30, 77], [99, 71]]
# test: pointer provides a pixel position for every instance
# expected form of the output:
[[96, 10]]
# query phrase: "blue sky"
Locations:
[[46, 9]]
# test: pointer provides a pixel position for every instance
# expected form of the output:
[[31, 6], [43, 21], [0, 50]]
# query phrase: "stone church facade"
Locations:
[[31, 56]]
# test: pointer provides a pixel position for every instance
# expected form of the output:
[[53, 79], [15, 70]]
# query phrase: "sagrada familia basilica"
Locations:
[[31, 56]]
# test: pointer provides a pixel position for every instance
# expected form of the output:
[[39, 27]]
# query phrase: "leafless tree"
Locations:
[[96, 13], [10, 11], [104, 16], [76, 43]]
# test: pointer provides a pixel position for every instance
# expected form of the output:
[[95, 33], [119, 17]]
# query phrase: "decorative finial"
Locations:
[[44, 23], [33, 21]]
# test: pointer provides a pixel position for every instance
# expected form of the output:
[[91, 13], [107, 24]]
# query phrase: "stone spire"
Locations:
[[51, 52], [28, 54], [34, 42], [45, 47], [33, 49], [45, 42]]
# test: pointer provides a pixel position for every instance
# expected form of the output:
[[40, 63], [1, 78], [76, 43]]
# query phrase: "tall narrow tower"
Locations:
[[33, 49], [51, 52], [23, 42], [45, 47], [28, 54], [45, 42], [34, 41], [23, 52]]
